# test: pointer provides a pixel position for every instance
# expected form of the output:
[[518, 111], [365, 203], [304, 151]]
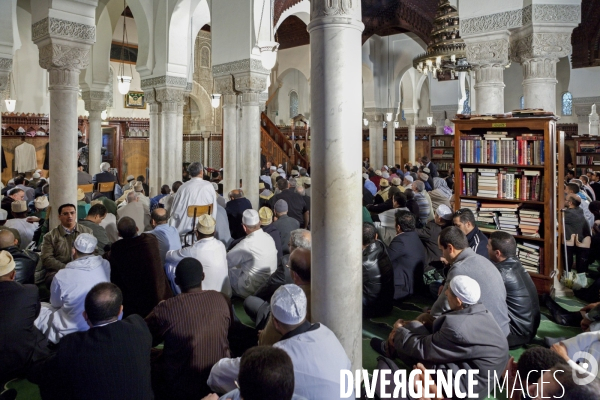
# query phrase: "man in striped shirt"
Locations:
[[193, 327]]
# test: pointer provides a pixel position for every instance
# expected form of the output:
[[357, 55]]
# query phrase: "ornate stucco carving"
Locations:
[[536, 13], [534, 45], [6, 64], [76, 57], [224, 85], [63, 78], [165, 80], [4, 84], [249, 64], [169, 95], [333, 7], [250, 83], [535, 68], [492, 52], [95, 100], [150, 96], [60, 28]]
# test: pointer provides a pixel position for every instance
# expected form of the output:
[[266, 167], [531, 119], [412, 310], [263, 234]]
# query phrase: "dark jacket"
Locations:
[[408, 259], [136, 268], [367, 197], [285, 224], [105, 362], [276, 235], [466, 339], [378, 280], [522, 301], [5, 204], [576, 224], [478, 242], [296, 204], [25, 263], [433, 171], [21, 343], [104, 177], [429, 237], [235, 209]]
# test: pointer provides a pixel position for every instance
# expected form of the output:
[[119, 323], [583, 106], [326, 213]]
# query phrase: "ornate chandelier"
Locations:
[[446, 52]]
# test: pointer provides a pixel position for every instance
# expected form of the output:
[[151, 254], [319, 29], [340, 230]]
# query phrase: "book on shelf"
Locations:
[[496, 148], [531, 256], [503, 183]]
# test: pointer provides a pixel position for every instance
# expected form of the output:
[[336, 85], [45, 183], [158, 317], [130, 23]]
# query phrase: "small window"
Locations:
[[522, 102], [293, 104], [567, 104]]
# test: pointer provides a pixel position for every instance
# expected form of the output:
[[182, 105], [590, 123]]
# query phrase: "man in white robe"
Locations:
[[316, 353], [68, 290], [195, 192]]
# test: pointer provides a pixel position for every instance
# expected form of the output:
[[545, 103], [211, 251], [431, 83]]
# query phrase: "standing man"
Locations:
[[284, 224], [195, 192], [235, 208], [429, 164], [297, 207]]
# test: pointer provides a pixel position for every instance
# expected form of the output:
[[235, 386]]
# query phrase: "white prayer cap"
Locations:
[[215, 186], [466, 289], [385, 175], [250, 218], [38, 171], [408, 178], [273, 168], [288, 304], [3, 214], [444, 212], [85, 243], [36, 175], [281, 171], [385, 167], [366, 176]]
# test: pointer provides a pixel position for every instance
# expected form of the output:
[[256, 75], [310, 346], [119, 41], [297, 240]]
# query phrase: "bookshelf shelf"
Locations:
[[495, 199], [506, 140], [442, 152]]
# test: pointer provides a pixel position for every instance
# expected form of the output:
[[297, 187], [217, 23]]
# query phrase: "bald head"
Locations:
[[160, 216], [236, 194], [132, 197], [300, 265], [7, 239]]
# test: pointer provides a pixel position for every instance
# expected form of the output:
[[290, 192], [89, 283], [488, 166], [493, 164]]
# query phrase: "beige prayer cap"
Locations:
[[80, 194], [378, 173], [206, 224], [138, 187], [18, 206], [7, 264], [266, 215], [261, 186], [384, 183]]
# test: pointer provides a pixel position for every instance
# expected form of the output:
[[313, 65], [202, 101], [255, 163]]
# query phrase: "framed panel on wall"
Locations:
[[135, 100]]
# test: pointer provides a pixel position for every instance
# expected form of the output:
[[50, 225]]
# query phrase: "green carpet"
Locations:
[[380, 327]]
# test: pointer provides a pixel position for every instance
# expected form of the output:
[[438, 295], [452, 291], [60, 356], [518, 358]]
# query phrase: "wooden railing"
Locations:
[[277, 146]]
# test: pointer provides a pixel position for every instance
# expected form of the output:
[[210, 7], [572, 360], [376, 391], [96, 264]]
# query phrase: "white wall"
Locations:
[[297, 58], [294, 80], [444, 93], [585, 82], [118, 109], [132, 35]]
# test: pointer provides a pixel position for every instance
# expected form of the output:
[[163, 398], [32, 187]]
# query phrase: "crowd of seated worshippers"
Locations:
[[122, 283]]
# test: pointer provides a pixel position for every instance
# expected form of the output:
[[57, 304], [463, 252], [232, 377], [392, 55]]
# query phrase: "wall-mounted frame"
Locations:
[[135, 100]]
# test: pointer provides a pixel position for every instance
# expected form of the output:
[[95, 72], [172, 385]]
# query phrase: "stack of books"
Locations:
[[529, 222], [487, 182], [470, 204], [505, 216], [530, 256], [487, 221], [520, 184]]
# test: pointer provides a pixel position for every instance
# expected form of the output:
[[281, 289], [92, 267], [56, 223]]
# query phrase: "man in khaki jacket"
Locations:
[[57, 244]]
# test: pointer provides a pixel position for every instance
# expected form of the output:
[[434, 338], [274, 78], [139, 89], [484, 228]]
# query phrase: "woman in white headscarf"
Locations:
[[441, 193]]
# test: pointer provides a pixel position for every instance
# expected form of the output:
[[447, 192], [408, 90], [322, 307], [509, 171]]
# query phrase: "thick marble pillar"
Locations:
[[64, 48], [335, 44], [489, 57], [95, 103], [391, 143], [5, 68], [154, 181], [205, 136], [170, 151], [224, 85], [251, 84], [375, 119], [412, 134], [539, 83]]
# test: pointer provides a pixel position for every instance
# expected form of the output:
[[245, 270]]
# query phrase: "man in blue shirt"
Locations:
[[164, 191], [167, 236]]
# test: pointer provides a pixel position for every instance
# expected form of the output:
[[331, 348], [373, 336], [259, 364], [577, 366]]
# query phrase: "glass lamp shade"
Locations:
[[10, 105], [366, 122], [388, 117], [124, 81], [215, 100], [396, 124], [429, 120], [268, 54], [104, 115]]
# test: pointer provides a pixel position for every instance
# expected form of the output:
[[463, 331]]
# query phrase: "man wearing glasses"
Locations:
[[57, 245]]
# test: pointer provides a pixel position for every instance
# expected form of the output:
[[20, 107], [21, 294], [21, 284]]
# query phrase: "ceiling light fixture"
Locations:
[[124, 81], [268, 48]]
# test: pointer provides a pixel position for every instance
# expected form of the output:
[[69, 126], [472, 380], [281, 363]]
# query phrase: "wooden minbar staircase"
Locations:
[[278, 147]]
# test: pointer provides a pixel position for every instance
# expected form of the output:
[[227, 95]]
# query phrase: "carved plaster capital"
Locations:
[[553, 45], [539, 68], [95, 100], [490, 52], [169, 95], [4, 80], [164, 81], [224, 85], [250, 82], [6, 64], [72, 56], [55, 28]]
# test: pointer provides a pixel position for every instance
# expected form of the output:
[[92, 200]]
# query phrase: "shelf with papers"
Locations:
[[501, 165], [502, 200]]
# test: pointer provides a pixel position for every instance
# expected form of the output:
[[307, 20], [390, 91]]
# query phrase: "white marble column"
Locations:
[[412, 133], [5, 68], [375, 139], [170, 152], [224, 85], [539, 83], [336, 150], [391, 143], [95, 103], [154, 181], [205, 136], [251, 84], [489, 88]]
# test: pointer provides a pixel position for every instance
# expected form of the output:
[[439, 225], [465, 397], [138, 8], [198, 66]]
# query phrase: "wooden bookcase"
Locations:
[[525, 129], [442, 152], [587, 151]]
